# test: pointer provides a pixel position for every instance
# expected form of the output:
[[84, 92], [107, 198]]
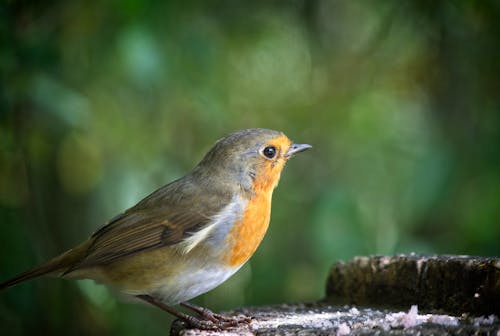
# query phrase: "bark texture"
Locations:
[[454, 284]]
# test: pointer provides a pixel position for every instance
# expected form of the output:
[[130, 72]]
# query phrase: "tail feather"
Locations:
[[36, 272], [57, 266]]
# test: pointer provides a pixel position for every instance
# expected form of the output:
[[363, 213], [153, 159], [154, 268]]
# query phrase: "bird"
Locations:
[[188, 236]]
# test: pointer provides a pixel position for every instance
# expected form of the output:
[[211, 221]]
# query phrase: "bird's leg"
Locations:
[[190, 320], [214, 317]]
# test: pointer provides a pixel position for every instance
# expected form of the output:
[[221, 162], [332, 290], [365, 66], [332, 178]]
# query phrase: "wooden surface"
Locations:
[[320, 319], [454, 284]]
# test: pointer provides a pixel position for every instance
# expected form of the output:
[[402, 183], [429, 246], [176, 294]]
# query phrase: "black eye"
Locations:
[[269, 152]]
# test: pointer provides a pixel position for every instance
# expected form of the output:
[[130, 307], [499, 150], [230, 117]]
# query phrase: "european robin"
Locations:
[[190, 235]]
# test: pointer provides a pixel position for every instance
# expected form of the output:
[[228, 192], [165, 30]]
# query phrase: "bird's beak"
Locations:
[[296, 148]]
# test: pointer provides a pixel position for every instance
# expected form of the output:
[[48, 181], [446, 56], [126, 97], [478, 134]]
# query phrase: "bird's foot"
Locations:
[[213, 323], [219, 320], [230, 321]]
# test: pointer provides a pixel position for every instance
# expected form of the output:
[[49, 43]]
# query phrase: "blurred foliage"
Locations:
[[102, 102]]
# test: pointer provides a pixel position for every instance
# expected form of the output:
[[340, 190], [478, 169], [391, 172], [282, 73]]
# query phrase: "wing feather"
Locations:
[[155, 222]]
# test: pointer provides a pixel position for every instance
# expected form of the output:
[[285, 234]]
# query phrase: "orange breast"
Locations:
[[247, 233]]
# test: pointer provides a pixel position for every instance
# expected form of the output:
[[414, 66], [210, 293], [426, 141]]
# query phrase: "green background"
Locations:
[[102, 102]]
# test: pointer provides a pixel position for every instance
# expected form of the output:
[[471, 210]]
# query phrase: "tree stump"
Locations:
[[439, 295], [454, 284]]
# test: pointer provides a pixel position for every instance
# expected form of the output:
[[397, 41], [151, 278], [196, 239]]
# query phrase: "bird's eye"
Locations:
[[269, 152]]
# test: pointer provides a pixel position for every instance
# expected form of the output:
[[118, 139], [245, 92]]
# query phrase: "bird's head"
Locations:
[[252, 159]]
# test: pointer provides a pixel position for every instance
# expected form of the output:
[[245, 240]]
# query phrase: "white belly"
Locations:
[[192, 282]]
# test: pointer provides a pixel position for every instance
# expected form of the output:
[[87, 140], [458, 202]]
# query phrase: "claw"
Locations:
[[221, 321], [217, 322]]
